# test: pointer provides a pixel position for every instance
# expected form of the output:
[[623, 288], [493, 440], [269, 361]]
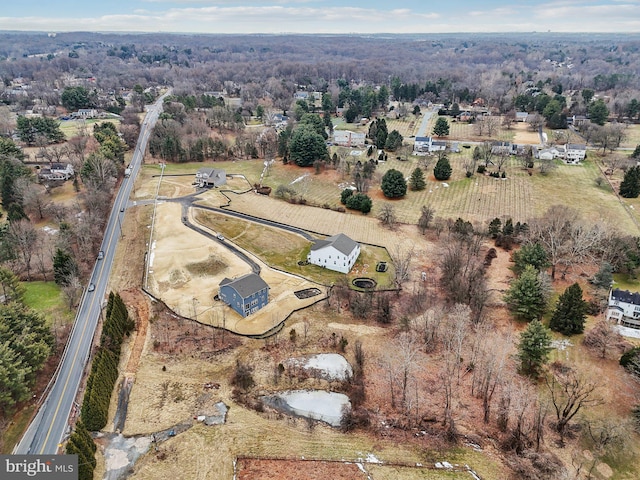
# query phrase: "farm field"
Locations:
[[477, 199]]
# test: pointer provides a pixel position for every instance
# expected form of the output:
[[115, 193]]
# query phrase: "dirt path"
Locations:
[[135, 299]]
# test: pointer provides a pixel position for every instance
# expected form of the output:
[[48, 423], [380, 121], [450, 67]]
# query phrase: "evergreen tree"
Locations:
[[534, 348], [530, 254], [604, 276], [526, 296], [393, 184], [394, 141], [636, 152], [442, 170], [630, 186], [344, 196], [64, 267], [507, 228], [570, 313], [441, 128], [306, 146], [598, 112], [417, 182], [495, 226]]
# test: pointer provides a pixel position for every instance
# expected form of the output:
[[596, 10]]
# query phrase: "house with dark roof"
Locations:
[[575, 153], [624, 308], [337, 253], [210, 177], [246, 294]]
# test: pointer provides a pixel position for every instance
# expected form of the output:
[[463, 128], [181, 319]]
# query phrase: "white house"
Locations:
[[428, 144], [624, 307], [337, 253], [575, 153], [347, 138]]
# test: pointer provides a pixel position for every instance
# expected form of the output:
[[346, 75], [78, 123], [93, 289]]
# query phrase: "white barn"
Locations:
[[624, 307], [337, 253]]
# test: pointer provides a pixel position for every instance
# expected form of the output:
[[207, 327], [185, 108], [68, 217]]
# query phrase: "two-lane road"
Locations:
[[50, 424]]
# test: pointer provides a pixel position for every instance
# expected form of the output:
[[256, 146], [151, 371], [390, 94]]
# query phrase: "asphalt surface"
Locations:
[[51, 423]]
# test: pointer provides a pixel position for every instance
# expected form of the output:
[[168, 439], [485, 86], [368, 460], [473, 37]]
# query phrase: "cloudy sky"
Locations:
[[327, 16]]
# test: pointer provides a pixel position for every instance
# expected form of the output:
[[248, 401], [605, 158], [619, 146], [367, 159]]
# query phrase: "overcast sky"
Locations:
[[327, 16]]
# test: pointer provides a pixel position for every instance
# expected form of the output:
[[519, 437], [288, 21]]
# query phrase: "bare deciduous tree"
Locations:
[[401, 261], [604, 338], [387, 215], [570, 392]]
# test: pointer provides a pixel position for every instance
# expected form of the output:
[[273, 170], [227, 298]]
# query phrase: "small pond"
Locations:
[[315, 404], [364, 282]]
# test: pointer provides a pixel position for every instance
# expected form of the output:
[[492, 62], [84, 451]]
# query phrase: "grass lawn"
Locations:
[[626, 282], [283, 250], [70, 128], [16, 428], [47, 299]]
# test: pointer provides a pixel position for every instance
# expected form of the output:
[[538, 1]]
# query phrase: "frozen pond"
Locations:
[[315, 404], [330, 366]]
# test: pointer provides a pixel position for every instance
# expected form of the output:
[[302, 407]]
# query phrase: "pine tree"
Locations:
[[534, 348], [441, 128], [526, 297], [495, 226], [417, 182], [604, 276], [630, 186], [570, 313], [393, 184], [442, 170], [530, 254]]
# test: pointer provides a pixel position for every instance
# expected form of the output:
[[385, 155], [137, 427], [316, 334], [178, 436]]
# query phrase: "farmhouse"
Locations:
[[347, 138], [624, 307], [337, 253], [428, 144], [210, 177], [246, 294], [575, 153]]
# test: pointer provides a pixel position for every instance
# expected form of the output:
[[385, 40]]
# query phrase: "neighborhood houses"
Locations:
[[337, 253], [246, 294]]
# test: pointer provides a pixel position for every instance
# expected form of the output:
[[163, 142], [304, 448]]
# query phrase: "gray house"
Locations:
[[246, 294], [210, 177]]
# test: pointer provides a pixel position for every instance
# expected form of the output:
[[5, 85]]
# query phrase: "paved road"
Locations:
[[51, 423]]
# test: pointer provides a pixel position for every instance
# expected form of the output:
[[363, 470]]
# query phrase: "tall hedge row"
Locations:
[[104, 369]]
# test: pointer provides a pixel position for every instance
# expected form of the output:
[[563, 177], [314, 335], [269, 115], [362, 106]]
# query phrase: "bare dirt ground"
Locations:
[[186, 269], [524, 135], [260, 469]]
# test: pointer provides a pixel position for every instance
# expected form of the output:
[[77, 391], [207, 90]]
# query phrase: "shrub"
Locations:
[[481, 169]]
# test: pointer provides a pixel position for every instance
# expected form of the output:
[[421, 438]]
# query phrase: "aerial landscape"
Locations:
[[274, 240]]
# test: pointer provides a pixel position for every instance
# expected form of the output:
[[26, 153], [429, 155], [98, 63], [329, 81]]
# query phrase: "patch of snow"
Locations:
[[356, 153], [445, 185], [49, 230], [301, 177], [361, 467], [628, 332], [561, 344], [447, 465], [371, 458], [330, 365]]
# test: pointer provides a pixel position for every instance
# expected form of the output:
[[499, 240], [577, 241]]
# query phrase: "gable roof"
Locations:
[[340, 242], [246, 285], [625, 296]]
